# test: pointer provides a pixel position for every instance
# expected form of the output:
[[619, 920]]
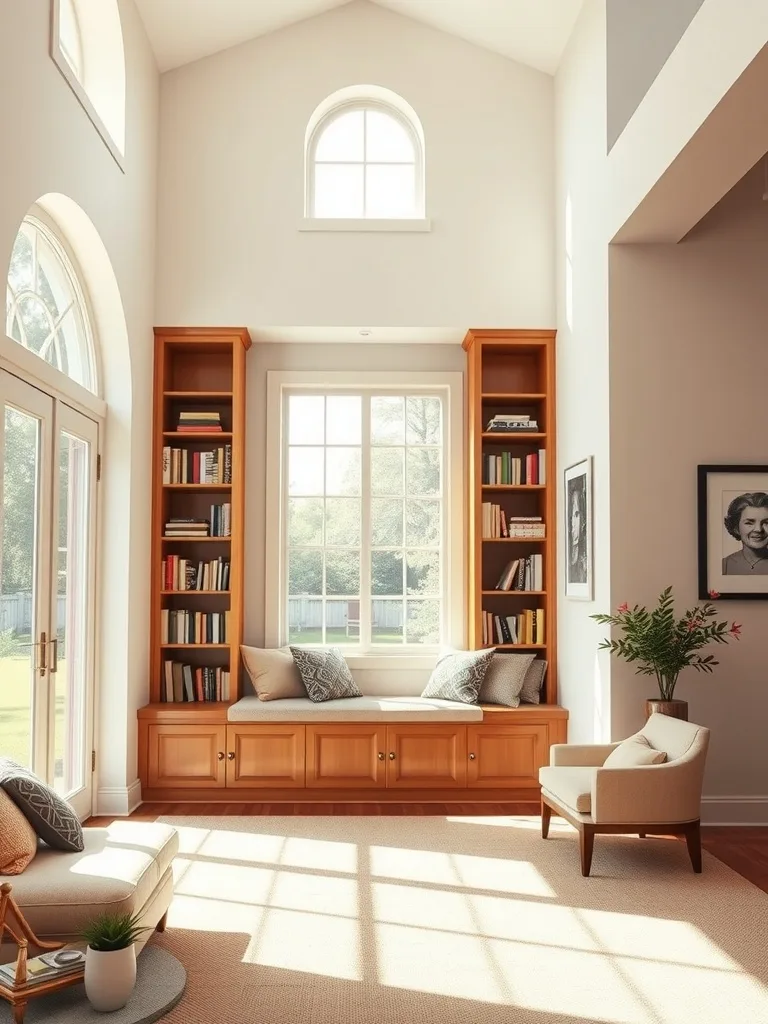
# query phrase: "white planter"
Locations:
[[110, 977]]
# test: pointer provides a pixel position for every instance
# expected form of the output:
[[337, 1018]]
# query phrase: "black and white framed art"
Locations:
[[578, 530], [733, 532]]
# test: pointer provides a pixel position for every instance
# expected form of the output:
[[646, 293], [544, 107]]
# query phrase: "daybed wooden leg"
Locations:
[[160, 927], [693, 840], [641, 835], [546, 814], [586, 845]]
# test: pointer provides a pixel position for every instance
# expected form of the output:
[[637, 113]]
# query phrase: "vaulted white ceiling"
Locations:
[[533, 32]]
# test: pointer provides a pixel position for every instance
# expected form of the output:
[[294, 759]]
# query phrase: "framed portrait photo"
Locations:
[[578, 530], [733, 531]]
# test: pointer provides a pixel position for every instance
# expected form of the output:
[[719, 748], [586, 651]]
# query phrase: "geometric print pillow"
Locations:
[[325, 673], [459, 676], [51, 817]]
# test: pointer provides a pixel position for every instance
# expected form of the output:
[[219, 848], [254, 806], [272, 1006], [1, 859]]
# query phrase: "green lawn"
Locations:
[[15, 706]]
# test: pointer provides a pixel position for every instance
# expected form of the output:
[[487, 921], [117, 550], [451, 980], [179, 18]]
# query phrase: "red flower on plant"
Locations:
[[736, 630], [714, 594], [624, 607]]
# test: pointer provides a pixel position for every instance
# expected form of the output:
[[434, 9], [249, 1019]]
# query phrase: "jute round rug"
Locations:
[[160, 981], [387, 920]]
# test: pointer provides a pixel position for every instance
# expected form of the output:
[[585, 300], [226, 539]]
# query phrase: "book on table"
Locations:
[[59, 963]]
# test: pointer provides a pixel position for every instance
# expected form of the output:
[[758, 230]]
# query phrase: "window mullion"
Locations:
[[365, 526], [284, 627], [365, 165]]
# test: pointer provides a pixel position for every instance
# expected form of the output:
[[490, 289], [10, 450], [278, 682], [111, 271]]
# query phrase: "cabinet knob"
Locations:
[[471, 757], [231, 755], [391, 755], [381, 755], [220, 755]]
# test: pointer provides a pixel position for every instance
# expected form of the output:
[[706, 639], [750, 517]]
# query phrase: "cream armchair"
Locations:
[[651, 798]]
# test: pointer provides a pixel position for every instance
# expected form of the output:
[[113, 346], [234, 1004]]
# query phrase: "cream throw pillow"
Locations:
[[634, 752], [18, 840], [504, 679], [273, 673]]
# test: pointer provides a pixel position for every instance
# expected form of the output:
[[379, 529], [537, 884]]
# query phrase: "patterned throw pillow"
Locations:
[[459, 676], [325, 673], [504, 679], [51, 817], [533, 682], [18, 842]]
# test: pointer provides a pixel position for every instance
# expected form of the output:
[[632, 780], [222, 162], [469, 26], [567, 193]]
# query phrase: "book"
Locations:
[[59, 963]]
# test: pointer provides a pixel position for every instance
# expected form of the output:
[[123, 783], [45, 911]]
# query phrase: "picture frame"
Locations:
[[733, 532], [577, 490]]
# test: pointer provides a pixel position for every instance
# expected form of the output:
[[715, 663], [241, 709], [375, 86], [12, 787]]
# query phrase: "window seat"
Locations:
[[354, 709]]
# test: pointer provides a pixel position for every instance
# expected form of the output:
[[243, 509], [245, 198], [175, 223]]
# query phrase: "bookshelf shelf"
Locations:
[[197, 487], [512, 373], [199, 380]]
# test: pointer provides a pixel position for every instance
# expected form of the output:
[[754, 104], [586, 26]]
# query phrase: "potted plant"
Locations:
[[110, 959], [662, 645]]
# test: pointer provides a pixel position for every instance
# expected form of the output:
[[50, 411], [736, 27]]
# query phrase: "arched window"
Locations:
[[87, 45], [45, 309], [365, 158]]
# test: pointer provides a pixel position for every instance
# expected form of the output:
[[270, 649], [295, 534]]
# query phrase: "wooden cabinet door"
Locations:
[[506, 755], [265, 755], [346, 755], [186, 756], [427, 756]]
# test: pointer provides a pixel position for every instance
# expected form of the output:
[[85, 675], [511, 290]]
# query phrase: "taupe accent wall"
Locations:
[[641, 34]]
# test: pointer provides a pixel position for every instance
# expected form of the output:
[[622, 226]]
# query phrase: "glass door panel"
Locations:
[[71, 661], [25, 443]]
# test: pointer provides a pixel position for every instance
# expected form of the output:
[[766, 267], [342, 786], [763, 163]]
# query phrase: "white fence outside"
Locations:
[[307, 612], [16, 612]]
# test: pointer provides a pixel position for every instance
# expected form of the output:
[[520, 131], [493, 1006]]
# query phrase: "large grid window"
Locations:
[[363, 519]]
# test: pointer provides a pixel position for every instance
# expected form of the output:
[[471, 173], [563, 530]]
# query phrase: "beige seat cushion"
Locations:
[[273, 672], [118, 871], [634, 752], [18, 840], [361, 709], [571, 786]]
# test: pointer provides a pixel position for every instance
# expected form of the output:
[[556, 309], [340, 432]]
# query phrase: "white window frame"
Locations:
[[450, 387], [409, 123], [115, 143]]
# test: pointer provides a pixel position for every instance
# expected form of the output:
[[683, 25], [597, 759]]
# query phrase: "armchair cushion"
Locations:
[[570, 786], [633, 752]]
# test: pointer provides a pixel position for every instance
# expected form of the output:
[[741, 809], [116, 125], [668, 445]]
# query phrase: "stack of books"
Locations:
[[497, 524], [186, 683], [199, 422], [505, 468], [523, 574], [59, 963], [182, 626], [527, 627], [512, 423], [176, 527], [181, 466], [184, 574], [221, 519]]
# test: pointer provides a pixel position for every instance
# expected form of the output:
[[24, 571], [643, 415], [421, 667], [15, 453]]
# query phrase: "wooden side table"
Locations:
[[13, 924]]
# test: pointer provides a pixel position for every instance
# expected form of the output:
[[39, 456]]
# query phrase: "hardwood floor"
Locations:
[[742, 848]]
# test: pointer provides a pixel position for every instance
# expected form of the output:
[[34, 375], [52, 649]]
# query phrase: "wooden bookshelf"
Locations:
[[198, 369], [512, 371]]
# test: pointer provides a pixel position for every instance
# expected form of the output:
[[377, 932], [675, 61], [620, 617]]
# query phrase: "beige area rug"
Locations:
[[389, 920]]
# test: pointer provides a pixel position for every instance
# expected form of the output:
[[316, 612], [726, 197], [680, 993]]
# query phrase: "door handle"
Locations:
[[54, 656], [471, 757], [381, 755], [231, 755], [41, 643], [220, 755], [391, 755]]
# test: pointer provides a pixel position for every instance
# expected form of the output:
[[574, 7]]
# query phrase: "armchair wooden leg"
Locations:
[[546, 814], [586, 845], [641, 835], [693, 840]]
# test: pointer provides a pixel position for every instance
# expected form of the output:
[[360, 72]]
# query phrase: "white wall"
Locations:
[[688, 367], [582, 353], [52, 147], [232, 190]]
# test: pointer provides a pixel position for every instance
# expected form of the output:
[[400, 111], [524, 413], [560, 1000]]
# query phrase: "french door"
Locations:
[[47, 575]]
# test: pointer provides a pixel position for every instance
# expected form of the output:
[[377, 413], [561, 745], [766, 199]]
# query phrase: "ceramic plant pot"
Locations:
[[110, 977], [673, 708]]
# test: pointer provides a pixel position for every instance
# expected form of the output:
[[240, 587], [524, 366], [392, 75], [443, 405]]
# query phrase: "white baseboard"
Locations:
[[118, 801], [734, 810]]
